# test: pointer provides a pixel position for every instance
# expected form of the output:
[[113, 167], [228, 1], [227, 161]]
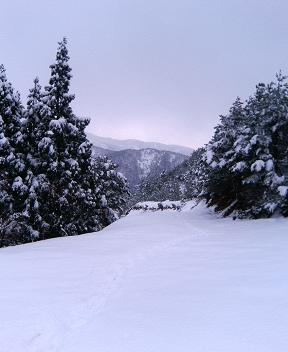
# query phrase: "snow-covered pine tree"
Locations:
[[62, 137], [49, 183], [223, 184], [75, 198], [196, 175], [266, 149], [279, 128], [13, 191], [254, 150], [39, 188], [249, 174], [34, 124], [113, 189]]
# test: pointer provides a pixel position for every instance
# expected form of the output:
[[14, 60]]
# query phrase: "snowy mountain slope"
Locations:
[[164, 281], [179, 183], [116, 144], [137, 165]]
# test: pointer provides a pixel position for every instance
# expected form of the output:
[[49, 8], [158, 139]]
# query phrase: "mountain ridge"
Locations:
[[139, 164], [114, 144]]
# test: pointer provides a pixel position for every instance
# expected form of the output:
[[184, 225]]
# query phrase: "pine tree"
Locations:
[[266, 149], [62, 136], [224, 163], [75, 202], [113, 190], [49, 183], [39, 187], [14, 228], [248, 162]]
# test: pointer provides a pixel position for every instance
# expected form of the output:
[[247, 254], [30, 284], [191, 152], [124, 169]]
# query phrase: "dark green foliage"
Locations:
[[247, 155], [13, 190], [244, 168], [49, 184]]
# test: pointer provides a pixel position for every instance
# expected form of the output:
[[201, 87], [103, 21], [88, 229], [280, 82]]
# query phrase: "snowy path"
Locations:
[[153, 282]]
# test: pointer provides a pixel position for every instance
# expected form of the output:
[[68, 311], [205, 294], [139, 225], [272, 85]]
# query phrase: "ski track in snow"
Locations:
[[58, 293]]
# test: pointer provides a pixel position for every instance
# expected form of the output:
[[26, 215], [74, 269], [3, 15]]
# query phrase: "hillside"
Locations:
[[138, 165], [182, 182], [163, 281]]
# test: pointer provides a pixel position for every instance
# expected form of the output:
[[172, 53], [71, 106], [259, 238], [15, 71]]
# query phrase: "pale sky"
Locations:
[[156, 70]]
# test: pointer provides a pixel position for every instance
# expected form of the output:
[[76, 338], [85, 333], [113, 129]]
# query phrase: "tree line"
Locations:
[[247, 158], [243, 170], [50, 185]]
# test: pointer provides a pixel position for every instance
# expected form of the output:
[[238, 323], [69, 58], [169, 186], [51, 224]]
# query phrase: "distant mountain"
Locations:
[[117, 145], [137, 165], [184, 182]]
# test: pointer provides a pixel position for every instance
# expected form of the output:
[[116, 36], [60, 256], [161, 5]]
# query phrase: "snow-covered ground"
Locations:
[[154, 282]]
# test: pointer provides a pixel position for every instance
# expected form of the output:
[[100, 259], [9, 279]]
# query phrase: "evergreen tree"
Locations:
[[39, 187], [14, 228], [267, 149], [248, 155], [63, 156], [75, 201], [113, 189], [223, 183], [49, 183]]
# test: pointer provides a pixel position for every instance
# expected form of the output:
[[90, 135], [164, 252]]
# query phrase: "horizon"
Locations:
[[139, 140]]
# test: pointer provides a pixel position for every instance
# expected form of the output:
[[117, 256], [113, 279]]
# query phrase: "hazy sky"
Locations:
[[158, 70]]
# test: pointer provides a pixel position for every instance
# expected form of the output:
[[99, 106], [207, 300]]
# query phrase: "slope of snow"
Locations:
[[146, 161], [154, 282], [117, 144], [136, 165]]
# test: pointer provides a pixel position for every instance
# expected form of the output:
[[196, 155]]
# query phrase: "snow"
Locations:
[[152, 281], [254, 139], [46, 141], [209, 156], [3, 141], [258, 165], [72, 163], [158, 206], [269, 165], [18, 185], [283, 191], [146, 161], [103, 201], [240, 166], [57, 124], [83, 148]]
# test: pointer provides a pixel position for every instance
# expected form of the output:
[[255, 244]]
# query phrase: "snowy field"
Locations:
[[151, 282]]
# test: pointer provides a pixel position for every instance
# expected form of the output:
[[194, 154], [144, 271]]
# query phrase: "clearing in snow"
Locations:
[[154, 282]]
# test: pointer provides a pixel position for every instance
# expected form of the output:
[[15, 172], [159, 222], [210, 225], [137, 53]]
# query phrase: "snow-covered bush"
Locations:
[[156, 206]]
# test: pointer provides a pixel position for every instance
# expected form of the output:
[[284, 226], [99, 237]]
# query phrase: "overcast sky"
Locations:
[[157, 70]]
